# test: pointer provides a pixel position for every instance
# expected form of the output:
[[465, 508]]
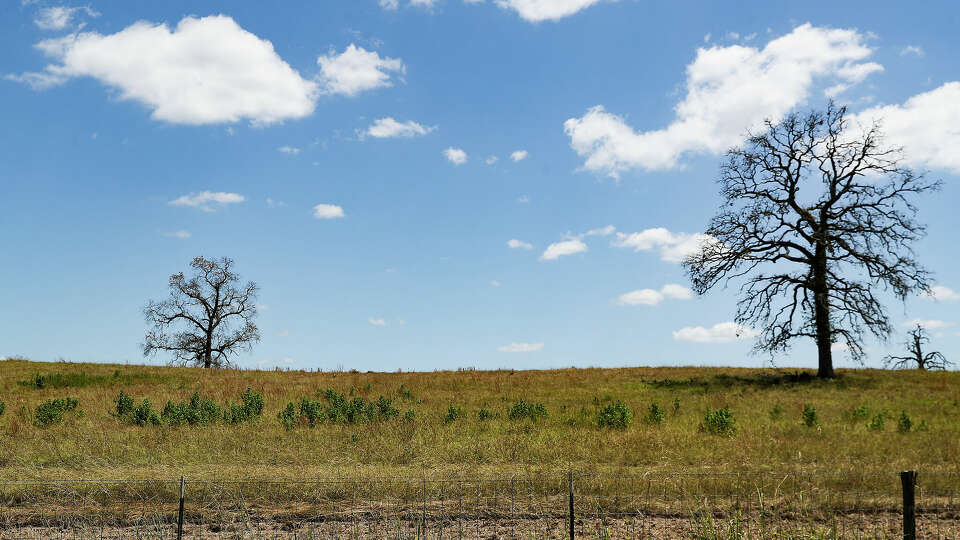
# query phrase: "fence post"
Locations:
[[180, 513], [908, 479], [570, 485]]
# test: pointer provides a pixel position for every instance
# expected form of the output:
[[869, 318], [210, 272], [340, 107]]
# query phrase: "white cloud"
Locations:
[[725, 332], [912, 49], [455, 155], [944, 294], [925, 126], [603, 231], [291, 150], [377, 321], [523, 199], [494, 283], [929, 324], [559, 249], [390, 5], [181, 234], [519, 155], [426, 4], [388, 127], [728, 91], [60, 17], [519, 244], [274, 204], [491, 160], [651, 297], [208, 201], [674, 247], [521, 347], [545, 10], [327, 211], [356, 70], [205, 71]]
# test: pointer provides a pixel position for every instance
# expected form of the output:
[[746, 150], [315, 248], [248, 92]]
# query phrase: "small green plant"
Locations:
[[521, 409], [876, 424], [52, 411], [124, 405], [720, 421], [656, 414], [809, 415], [904, 424], [288, 416], [676, 405], [3, 407], [196, 412], [404, 393], [860, 413], [410, 415], [249, 408], [485, 414], [144, 414], [776, 412], [617, 416], [453, 414]]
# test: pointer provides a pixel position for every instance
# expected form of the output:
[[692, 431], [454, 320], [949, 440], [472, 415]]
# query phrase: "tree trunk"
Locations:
[[821, 313]]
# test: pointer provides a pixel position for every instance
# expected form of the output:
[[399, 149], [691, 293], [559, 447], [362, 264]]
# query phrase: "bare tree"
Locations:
[[916, 357], [207, 317], [821, 218]]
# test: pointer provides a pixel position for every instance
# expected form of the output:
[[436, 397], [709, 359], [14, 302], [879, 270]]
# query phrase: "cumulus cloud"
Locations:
[[376, 321], [925, 126], [181, 234], [929, 324], [521, 347], [356, 70], [912, 49], [519, 155], [60, 17], [519, 244], [674, 247], [491, 160], [944, 294], [545, 10], [651, 297], [388, 127], [455, 155], [725, 332], [327, 211], [291, 150], [208, 201], [602, 231], [559, 249], [728, 91], [205, 71]]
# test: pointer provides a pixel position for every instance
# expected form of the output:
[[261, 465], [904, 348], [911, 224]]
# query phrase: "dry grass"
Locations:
[[96, 445]]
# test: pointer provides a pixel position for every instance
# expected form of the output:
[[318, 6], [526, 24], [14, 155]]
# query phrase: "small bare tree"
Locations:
[[821, 218], [916, 357], [207, 317]]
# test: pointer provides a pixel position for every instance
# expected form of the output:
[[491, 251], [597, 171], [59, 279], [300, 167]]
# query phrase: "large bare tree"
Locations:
[[818, 216], [207, 317], [915, 355]]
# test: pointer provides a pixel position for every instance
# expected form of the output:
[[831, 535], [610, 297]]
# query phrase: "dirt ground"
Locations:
[[857, 526]]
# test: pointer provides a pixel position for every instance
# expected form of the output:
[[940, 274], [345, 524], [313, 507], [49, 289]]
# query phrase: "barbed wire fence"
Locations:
[[554, 506]]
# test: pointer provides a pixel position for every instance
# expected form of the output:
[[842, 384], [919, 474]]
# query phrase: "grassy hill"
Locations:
[[855, 426]]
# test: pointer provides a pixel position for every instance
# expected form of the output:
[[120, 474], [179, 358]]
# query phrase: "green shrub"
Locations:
[[485, 414], [453, 414], [144, 414], [776, 412], [656, 414], [676, 405], [196, 412], [52, 411], [860, 413], [904, 424], [617, 416], [3, 407], [521, 409], [404, 393], [385, 409], [288, 416], [249, 408], [410, 415], [876, 424], [809, 415], [720, 422], [124, 405]]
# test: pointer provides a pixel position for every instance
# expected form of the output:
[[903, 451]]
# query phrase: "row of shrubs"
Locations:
[[195, 411], [336, 408], [877, 422], [52, 411]]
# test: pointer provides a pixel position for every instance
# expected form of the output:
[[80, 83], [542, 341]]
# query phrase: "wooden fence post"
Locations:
[[570, 485], [908, 479], [180, 513]]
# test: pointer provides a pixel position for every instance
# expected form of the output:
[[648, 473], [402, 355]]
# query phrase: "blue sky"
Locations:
[[368, 164]]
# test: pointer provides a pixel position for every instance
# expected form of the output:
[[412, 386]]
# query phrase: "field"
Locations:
[[852, 439]]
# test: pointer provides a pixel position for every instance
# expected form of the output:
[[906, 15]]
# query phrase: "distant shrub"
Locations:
[[410, 415], [337, 408], [144, 414], [521, 409], [860, 413], [776, 412], [720, 422], [453, 414], [3, 407], [385, 409], [52, 411], [676, 405], [876, 424], [617, 416], [288, 416], [249, 408], [82, 379], [125, 405], [904, 424], [809, 415], [485, 414], [196, 412], [656, 414], [404, 393]]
